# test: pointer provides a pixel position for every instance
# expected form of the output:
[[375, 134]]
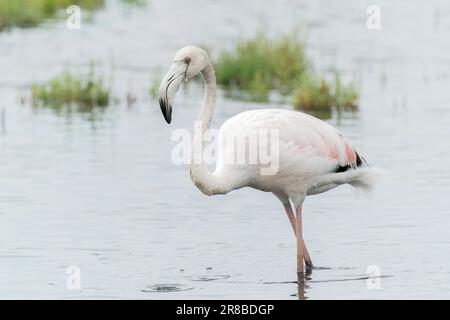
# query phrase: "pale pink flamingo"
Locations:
[[313, 156]]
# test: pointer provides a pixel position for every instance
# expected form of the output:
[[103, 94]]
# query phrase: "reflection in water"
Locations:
[[304, 279], [302, 283]]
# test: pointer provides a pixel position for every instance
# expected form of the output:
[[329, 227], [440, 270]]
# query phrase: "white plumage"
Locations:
[[311, 155], [310, 151]]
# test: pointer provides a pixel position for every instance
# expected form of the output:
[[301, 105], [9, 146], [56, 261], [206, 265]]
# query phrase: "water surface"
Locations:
[[104, 195]]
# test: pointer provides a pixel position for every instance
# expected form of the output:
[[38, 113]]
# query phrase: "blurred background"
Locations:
[[85, 154]]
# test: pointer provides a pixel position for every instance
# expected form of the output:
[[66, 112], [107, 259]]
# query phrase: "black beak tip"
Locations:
[[166, 110]]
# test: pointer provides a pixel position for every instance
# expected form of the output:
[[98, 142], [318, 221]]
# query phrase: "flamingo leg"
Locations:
[[302, 251], [307, 257], [291, 217], [292, 220]]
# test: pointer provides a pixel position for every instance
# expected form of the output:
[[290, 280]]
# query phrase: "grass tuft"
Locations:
[[258, 66], [84, 93], [317, 95], [135, 3], [29, 13]]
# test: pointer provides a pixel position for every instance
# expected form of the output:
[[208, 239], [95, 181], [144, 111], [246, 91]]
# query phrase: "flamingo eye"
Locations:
[[187, 60]]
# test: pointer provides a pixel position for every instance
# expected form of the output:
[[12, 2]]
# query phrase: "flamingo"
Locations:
[[313, 156]]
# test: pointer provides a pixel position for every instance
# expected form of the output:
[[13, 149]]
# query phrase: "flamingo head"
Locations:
[[188, 62]]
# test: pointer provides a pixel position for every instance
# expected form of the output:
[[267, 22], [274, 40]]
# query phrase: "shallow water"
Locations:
[[104, 195]]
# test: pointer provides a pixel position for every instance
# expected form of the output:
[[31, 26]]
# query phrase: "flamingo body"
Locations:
[[311, 156], [309, 151]]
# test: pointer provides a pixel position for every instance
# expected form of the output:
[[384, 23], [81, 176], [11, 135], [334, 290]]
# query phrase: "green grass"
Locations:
[[29, 13], [68, 91], [315, 95], [135, 3], [345, 96], [258, 66]]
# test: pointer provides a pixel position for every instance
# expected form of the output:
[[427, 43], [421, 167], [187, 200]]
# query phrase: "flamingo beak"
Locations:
[[169, 87]]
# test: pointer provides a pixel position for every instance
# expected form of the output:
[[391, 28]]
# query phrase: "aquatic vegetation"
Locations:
[[258, 66], [68, 91], [316, 95], [135, 3], [345, 96], [29, 13], [313, 94]]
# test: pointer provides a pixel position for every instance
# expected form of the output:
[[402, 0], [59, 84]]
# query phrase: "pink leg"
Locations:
[[302, 252], [299, 232], [291, 217], [308, 260]]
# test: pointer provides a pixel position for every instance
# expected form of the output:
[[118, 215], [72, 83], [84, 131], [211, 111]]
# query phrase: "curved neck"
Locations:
[[206, 181], [209, 100]]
